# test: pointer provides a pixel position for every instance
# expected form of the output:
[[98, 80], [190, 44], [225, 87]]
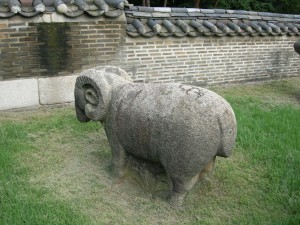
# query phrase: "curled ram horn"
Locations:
[[89, 102], [93, 92]]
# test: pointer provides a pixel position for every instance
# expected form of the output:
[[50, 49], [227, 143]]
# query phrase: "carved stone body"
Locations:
[[180, 127]]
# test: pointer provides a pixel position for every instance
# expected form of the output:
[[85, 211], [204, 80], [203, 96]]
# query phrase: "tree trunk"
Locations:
[[197, 4], [148, 3], [217, 2], [165, 3]]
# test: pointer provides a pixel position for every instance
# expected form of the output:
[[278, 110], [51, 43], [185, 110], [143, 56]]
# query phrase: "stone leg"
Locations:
[[208, 168], [119, 160], [179, 190]]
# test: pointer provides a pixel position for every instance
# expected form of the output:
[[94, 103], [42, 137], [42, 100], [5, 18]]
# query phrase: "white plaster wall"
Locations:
[[18, 94]]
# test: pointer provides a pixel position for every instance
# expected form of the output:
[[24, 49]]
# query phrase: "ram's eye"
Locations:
[[91, 96]]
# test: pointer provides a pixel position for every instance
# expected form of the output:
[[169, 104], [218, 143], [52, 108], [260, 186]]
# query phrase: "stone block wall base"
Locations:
[[55, 90], [24, 93], [18, 94]]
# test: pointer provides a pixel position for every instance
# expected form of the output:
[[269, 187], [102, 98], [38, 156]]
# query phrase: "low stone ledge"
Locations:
[[18, 94], [56, 90]]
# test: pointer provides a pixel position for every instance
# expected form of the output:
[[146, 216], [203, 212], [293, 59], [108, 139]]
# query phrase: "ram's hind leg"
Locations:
[[180, 188], [207, 169]]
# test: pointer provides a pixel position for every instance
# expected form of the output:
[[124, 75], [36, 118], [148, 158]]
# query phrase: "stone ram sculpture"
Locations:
[[180, 127]]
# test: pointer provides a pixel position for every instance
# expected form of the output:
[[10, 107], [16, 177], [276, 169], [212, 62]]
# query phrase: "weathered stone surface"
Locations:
[[180, 127]]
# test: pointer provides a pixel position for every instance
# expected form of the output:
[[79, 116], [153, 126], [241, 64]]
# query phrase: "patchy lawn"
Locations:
[[56, 170]]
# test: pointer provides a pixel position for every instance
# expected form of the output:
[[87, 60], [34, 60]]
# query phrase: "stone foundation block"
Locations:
[[55, 90], [18, 94]]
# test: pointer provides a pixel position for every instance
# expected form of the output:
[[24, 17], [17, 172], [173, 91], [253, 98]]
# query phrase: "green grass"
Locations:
[[55, 170]]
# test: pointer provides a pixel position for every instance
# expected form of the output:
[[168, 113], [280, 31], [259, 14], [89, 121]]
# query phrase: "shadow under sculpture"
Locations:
[[179, 127]]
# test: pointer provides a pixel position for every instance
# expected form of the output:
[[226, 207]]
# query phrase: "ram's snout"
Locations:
[[80, 103]]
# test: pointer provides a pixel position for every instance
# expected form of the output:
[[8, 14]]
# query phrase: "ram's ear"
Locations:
[[92, 96]]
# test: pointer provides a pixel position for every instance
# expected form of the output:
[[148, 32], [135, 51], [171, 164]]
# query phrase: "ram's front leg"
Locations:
[[119, 156], [119, 159]]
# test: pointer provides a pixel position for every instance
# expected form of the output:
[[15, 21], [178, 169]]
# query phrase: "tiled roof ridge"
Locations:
[[69, 8], [192, 12], [179, 22]]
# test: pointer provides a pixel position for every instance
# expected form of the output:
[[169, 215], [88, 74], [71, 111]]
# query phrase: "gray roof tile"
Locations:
[[223, 27], [50, 9], [195, 14], [179, 10], [142, 14], [252, 13], [214, 15], [207, 11], [145, 9], [288, 16], [95, 8], [193, 10], [264, 13], [183, 26], [265, 26], [179, 14], [275, 28], [161, 14], [163, 21], [6, 14], [134, 8], [233, 26], [254, 17], [162, 9], [241, 12], [266, 18], [114, 13], [220, 11], [283, 27], [180, 22]]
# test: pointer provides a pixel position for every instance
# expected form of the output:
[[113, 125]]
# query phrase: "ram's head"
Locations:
[[93, 90]]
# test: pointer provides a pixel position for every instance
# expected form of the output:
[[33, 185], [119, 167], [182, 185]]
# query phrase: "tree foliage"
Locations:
[[277, 6]]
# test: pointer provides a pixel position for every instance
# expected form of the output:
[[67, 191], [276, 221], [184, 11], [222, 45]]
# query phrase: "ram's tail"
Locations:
[[228, 131]]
